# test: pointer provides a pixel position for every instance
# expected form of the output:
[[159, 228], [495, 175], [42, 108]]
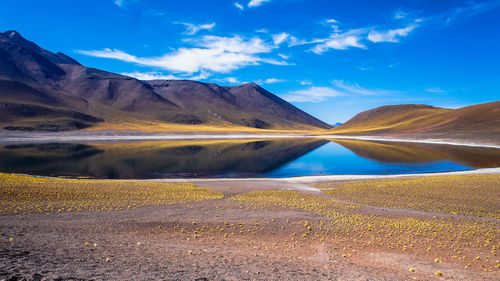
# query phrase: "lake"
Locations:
[[239, 158]]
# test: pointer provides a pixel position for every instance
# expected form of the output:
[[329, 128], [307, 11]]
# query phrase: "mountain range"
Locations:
[[45, 91], [476, 122]]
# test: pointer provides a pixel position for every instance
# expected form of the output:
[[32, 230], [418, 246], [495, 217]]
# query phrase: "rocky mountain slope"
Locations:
[[41, 90]]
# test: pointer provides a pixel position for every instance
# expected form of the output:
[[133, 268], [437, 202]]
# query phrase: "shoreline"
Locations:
[[298, 179], [7, 138], [426, 141]]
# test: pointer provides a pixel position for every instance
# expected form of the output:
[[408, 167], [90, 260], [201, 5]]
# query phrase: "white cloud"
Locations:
[[294, 41], [333, 24], [212, 54], [304, 82], [150, 76], [400, 14], [201, 75], [364, 68], [153, 75], [122, 3], [356, 89], [313, 94], [340, 88], [256, 3], [239, 6], [352, 38], [192, 29], [341, 41], [391, 35], [472, 9], [283, 56], [280, 38], [270, 81], [273, 80], [435, 90], [232, 80]]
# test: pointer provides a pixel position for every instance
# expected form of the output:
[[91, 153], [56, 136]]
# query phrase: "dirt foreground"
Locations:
[[241, 238]]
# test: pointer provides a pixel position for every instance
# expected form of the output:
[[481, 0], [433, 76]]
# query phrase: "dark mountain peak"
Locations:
[[12, 34], [15, 38]]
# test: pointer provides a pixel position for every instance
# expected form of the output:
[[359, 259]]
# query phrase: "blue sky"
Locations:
[[331, 58]]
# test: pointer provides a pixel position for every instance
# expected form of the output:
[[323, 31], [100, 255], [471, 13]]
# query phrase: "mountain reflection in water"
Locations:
[[239, 158], [154, 159]]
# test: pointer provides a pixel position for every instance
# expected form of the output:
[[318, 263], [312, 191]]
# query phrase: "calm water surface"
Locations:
[[239, 158]]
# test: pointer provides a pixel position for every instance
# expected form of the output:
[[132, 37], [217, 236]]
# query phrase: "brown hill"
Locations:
[[480, 121], [41, 90]]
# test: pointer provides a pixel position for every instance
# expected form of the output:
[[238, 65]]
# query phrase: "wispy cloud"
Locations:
[[256, 3], [150, 76], [270, 81], [341, 41], [280, 38], [399, 14], [435, 90], [239, 6], [283, 56], [232, 80], [391, 35], [354, 88], [192, 29], [211, 54], [359, 37], [312, 94], [123, 3], [333, 24], [470, 10], [118, 3], [153, 75], [338, 89]]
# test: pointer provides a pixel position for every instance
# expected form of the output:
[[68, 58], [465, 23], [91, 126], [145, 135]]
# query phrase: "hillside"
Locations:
[[474, 122], [45, 91]]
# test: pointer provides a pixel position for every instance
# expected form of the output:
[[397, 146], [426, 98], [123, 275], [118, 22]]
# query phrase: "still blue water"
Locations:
[[243, 158], [334, 159]]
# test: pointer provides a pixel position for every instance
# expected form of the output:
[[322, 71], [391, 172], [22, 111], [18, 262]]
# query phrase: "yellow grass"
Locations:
[[480, 119], [397, 120], [24, 194], [159, 127], [443, 238], [471, 195]]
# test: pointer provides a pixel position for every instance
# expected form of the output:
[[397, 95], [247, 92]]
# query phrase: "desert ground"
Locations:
[[433, 227]]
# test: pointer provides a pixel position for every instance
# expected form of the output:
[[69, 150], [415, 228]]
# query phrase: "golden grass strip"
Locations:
[[25, 194], [470, 195]]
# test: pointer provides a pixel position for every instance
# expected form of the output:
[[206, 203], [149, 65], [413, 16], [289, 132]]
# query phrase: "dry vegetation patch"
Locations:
[[470, 242], [470, 195], [24, 194]]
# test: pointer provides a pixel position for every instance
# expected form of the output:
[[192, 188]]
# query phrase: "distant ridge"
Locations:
[[481, 121], [45, 91]]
